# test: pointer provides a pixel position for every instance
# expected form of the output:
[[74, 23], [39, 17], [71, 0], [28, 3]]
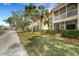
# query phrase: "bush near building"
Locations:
[[52, 32], [74, 34], [70, 33]]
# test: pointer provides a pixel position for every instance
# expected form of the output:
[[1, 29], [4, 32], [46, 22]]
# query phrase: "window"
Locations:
[[62, 25], [71, 6], [71, 26], [56, 26], [63, 10], [56, 15], [61, 16]]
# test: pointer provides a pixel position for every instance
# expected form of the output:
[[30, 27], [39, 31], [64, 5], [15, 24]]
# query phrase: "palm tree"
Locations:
[[44, 14], [22, 19], [47, 17], [30, 12]]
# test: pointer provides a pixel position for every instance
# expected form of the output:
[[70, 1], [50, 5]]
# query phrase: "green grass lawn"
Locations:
[[46, 45]]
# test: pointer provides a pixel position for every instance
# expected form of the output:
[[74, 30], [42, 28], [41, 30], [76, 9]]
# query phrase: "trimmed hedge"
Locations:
[[70, 33], [65, 33], [51, 32]]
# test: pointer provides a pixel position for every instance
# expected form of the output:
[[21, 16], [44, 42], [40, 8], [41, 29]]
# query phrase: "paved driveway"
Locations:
[[10, 45]]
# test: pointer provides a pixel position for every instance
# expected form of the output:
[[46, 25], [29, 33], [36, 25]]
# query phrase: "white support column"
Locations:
[[78, 16], [66, 17], [66, 10], [59, 26], [64, 25], [58, 14], [52, 20], [59, 19]]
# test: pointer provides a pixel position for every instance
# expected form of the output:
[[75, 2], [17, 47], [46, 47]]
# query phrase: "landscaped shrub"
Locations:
[[70, 33], [43, 31], [52, 32]]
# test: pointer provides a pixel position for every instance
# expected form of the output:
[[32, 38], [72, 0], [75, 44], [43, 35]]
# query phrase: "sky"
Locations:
[[7, 8]]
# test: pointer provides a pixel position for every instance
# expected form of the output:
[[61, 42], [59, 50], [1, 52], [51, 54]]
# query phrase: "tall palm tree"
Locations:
[[22, 19], [30, 12], [44, 14], [47, 16]]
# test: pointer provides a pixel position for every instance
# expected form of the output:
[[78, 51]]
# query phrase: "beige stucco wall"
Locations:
[[44, 27], [78, 17]]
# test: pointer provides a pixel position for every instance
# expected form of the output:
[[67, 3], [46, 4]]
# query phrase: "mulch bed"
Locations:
[[72, 40]]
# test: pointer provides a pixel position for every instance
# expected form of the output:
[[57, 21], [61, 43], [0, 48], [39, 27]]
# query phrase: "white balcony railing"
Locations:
[[72, 13], [61, 16], [64, 15], [56, 17]]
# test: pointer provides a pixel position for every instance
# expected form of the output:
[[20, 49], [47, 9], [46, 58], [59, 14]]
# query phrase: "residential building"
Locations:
[[65, 16]]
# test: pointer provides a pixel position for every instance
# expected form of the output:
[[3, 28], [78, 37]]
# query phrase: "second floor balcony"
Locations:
[[65, 11], [66, 15]]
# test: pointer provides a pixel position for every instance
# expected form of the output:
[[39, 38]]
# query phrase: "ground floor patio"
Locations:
[[66, 25]]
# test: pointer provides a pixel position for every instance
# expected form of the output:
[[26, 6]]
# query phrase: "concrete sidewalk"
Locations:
[[10, 45]]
